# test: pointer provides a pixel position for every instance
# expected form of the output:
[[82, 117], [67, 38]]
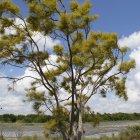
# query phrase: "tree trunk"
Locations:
[[77, 126], [80, 123], [74, 133], [80, 126], [77, 130]]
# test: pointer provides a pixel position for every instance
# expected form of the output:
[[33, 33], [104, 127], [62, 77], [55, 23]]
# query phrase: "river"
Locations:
[[104, 128]]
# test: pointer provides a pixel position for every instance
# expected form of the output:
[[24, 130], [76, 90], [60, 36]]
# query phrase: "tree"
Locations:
[[86, 62]]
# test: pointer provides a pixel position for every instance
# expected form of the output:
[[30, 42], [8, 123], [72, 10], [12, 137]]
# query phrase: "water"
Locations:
[[102, 134], [106, 128], [19, 131]]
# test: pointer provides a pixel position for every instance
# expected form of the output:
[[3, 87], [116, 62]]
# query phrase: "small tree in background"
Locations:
[[86, 62]]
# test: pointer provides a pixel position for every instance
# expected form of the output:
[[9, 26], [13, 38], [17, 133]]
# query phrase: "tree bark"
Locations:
[[74, 134], [80, 125]]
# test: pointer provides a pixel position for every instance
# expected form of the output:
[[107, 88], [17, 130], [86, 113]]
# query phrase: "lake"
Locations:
[[104, 128], [107, 128]]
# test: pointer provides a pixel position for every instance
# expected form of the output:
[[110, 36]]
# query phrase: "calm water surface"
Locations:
[[106, 128]]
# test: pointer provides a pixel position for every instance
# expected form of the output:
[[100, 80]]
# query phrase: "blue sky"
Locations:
[[121, 16]]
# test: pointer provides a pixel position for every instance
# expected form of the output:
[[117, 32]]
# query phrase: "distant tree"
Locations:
[[8, 118], [20, 118], [12, 118], [86, 63]]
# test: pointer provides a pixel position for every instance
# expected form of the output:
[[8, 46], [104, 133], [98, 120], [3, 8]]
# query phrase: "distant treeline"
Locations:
[[35, 118], [111, 117], [31, 118]]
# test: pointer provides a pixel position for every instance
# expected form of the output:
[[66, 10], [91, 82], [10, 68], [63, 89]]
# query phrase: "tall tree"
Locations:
[[86, 62]]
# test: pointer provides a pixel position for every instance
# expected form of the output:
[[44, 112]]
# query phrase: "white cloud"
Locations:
[[135, 54], [132, 41], [114, 104], [11, 102], [26, 82], [133, 82], [11, 30], [44, 41]]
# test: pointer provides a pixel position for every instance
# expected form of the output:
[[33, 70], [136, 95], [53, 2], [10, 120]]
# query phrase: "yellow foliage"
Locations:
[[58, 49], [36, 7], [124, 49], [7, 5], [127, 66], [121, 89], [51, 4]]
